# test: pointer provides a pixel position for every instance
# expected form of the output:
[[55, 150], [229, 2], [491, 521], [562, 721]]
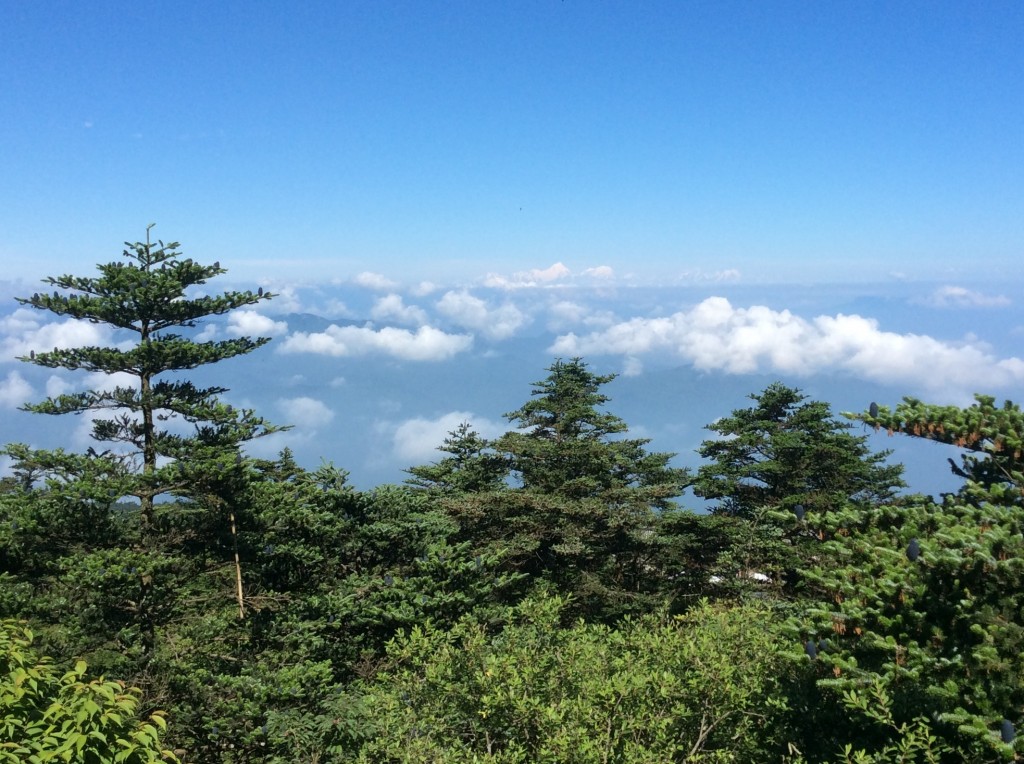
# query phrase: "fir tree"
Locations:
[[785, 451], [472, 466], [924, 598], [147, 295], [581, 507]]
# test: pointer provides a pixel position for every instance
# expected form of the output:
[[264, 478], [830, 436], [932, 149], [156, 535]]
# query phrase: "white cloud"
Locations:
[[600, 272], [335, 308], [701, 276], [15, 391], [471, 312], [424, 288], [531, 278], [715, 336], [23, 332], [57, 386], [566, 313], [208, 333], [250, 323], [305, 413], [425, 344], [285, 300], [961, 297], [416, 440], [392, 308], [374, 281]]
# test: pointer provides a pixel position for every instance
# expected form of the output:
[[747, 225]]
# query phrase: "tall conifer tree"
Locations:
[[147, 295]]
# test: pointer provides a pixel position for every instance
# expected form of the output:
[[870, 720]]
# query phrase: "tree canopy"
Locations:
[[788, 450], [539, 596]]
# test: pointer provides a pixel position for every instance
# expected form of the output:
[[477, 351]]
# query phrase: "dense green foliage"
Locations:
[[699, 687], [562, 497], [534, 597], [50, 715]]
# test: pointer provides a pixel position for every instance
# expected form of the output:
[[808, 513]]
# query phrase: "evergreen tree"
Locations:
[[989, 435], [581, 511], [773, 464], [565, 445], [148, 296], [786, 451], [924, 599], [472, 467]]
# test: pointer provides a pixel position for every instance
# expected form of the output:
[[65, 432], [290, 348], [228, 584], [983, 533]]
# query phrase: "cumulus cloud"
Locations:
[[15, 391], [715, 336], [23, 331], [961, 297], [208, 333], [57, 386], [374, 281], [393, 308], [424, 288], [416, 440], [470, 312], [305, 413], [600, 272], [531, 278], [249, 322], [425, 344]]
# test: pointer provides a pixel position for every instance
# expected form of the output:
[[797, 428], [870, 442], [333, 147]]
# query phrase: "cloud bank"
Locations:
[[425, 344], [716, 336]]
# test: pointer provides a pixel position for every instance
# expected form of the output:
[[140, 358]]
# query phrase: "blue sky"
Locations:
[[790, 141], [699, 196]]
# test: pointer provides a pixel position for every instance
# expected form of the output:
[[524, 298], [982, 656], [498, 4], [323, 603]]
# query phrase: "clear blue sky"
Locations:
[[792, 140]]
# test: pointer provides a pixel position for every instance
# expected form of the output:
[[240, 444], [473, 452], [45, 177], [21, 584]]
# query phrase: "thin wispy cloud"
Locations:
[[562, 315], [700, 276], [962, 297], [716, 336]]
